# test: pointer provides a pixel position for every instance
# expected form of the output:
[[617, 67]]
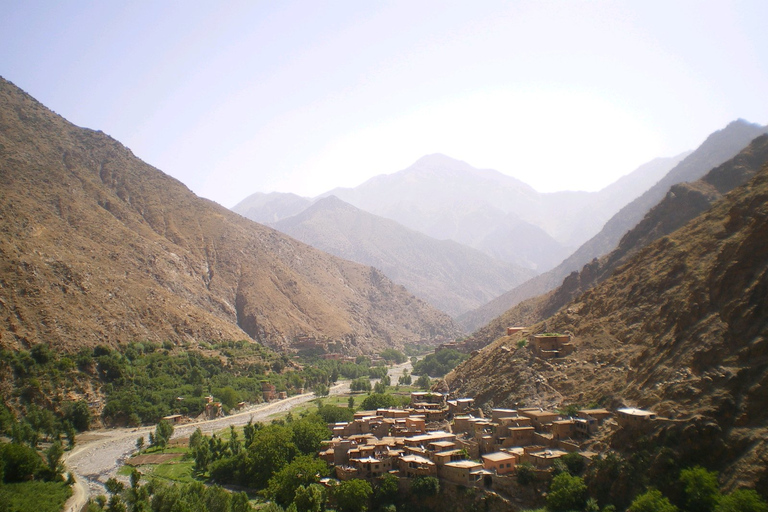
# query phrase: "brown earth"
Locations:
[[96, 247], [681, 328]]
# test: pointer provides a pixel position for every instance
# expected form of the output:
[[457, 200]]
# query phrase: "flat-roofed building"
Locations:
[[461, 472], [629, 417], [424, 440], [447, 456], [460, 405], [599, 414], [518, 436], [498, 414], [544, 459], [500, 462], [539, 417], [412, 466]]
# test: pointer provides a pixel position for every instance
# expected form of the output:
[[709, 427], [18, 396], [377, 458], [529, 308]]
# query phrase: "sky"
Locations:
[[233, 97]]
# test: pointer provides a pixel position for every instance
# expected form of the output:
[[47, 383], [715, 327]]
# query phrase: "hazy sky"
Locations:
[[238, 97]]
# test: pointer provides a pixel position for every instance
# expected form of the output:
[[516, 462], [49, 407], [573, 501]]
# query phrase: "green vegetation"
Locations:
[[362, 384], [652, 501], [382, 401], [36, 496], [353, 495], [144, 382], [393, 356], [566, 493], [440, 363]]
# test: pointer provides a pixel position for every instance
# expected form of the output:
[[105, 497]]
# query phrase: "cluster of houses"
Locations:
[[451, 440]]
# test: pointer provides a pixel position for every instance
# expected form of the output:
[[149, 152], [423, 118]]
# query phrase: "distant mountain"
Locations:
[[272, 207], [449, 199], [98, 247], [716, 149], [450, 276], [683, 203], [679, 327]]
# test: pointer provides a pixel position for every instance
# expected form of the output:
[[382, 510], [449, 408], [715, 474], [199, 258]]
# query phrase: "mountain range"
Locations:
[[97, 247], [674, 320], [452, 277], [719, 147], [448, 199]]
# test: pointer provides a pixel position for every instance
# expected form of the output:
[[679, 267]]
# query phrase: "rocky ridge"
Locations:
[[680, 328], [96, 247], [718, 148]]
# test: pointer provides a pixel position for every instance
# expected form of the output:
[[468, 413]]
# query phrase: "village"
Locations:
[[450, 438]]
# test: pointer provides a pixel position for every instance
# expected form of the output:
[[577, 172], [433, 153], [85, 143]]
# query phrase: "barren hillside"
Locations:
[[96, 246], [681, 328]]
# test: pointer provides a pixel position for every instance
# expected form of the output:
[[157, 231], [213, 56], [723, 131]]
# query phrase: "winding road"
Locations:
[[100, 455]]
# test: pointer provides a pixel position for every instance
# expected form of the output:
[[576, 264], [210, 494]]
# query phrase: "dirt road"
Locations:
[[99, 454]]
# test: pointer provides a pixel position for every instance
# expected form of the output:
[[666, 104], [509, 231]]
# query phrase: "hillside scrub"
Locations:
[[439, 363]]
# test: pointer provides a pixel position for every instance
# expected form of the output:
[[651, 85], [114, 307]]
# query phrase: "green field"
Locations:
[[35, 496]]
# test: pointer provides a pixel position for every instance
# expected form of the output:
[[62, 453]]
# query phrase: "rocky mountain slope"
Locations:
[[98, 247], [452, 277], [683, 202], [715, 150], [680, 328]]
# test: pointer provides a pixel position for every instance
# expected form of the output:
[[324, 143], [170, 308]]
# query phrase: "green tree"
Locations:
[[163, 433], [79, 415], [701, 489], [310, 498], [272, 448], [140, 443], [334, 414], [574, 462], [240, 502], [392, 355], [651, 501], [566, 493], [302, 471], [386, 489], [379, 401], [525, 473], [423, 382], [742, 500], [425, 486], [361, 384], [21, 462], [353, 495], [309, 433], [53, 457]]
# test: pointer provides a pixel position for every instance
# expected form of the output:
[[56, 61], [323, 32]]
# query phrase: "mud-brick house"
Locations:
[[518, 436], [631, 417], [412, 466], [563, 429], [498, 414], [372, 467], [460, 405], [444, 457], [461, 472], [542, 459], [598, 414], [500, 462], [268, 391], [549, 346], [540, 418]]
